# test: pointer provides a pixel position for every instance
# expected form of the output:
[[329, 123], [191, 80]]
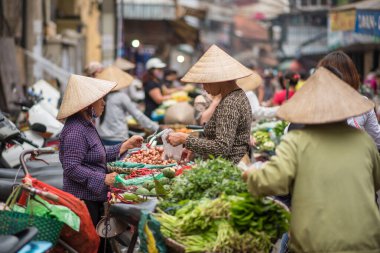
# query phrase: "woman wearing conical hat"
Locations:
[[348, 73], [81, 151], [228, 131], [331, 169], [113, 128]]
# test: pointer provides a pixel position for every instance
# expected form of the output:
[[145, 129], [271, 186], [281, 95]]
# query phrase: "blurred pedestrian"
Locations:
[[269, 88], [371, 81], [152, 83], [249, 85], [93, 68], [301, 82], [291, 79], [113, 128], [135, 89], [349, 74]]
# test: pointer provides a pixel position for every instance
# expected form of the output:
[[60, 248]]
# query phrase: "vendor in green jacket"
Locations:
[[331, 169]]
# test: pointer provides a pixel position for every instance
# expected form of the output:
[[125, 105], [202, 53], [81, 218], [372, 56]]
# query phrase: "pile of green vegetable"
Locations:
[[151, 185], [221, 224], [208, 179], [263, 141], [210, 210], [268, 135]]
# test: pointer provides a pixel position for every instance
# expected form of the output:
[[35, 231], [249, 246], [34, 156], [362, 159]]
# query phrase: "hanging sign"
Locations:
[[368, 22]]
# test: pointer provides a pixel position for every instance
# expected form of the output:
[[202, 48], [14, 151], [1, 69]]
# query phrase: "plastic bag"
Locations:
[[171, 152], [87, 231], [151, 239], [40, 207]]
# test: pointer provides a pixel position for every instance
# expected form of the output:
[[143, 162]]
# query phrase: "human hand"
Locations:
[[176, 139], [133, 142], [247, 172], [110, 178], [187, 155]]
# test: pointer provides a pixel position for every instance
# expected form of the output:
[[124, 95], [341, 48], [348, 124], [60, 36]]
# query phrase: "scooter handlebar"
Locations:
[[44, 151], [44, 194], [35, 152]]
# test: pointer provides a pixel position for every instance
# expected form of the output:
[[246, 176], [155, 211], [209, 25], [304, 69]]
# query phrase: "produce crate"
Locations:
[[126, 167]]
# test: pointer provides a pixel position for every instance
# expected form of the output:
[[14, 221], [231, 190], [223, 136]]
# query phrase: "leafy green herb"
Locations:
[[209, 179]]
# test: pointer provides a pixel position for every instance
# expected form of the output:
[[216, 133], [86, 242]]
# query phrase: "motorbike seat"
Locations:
[[13, 243], [8, 242], [131, 213]]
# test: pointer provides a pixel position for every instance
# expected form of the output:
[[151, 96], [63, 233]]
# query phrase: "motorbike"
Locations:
[[20, 242], [12, 143], [35, 186], [38, 115]]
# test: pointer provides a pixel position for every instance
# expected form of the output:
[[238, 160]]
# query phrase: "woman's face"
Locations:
[[158, 73], [212, 88], [99, 107]]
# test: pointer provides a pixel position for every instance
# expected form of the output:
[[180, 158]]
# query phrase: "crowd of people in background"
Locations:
[[267, 91]]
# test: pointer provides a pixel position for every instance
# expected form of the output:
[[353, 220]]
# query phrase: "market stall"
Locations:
[[203, 206]]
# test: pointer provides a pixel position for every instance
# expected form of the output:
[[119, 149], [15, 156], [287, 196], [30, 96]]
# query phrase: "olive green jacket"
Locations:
[[332, 172]]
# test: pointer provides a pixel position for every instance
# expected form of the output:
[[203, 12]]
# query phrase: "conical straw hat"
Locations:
[[82, 91], [324, 98], [215, 66], [251, 82], [114, 74], [124, 64]]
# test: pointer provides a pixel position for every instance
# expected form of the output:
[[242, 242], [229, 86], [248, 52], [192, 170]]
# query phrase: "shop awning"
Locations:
[[250, 29], [149, 9]]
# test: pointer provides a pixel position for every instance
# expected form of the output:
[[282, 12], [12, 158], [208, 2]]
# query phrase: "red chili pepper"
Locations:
[[180, 171]]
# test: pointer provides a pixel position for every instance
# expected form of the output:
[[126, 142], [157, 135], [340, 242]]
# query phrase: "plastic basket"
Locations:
[[137, 180], [124, 167], [12, 222]]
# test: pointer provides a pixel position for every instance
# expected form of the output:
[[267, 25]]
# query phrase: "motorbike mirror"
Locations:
[[38, 127]]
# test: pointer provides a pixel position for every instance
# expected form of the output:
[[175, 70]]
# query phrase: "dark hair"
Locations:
[[103, 116], [148, 76], [169, 72], [292, 77], [343, 63]]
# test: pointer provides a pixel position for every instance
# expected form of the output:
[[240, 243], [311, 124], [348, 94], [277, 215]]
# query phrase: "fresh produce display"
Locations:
[[180, 96], [258, 214], [149, 156], [208, 179], [140, 172], [214, 225], [148, 182], [280, 128], [263, 141], [268, 135]]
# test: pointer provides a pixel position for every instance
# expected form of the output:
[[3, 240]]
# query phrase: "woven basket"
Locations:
[[13, 222]]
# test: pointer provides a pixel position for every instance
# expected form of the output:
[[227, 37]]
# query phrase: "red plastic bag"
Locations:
[[86, 240]]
